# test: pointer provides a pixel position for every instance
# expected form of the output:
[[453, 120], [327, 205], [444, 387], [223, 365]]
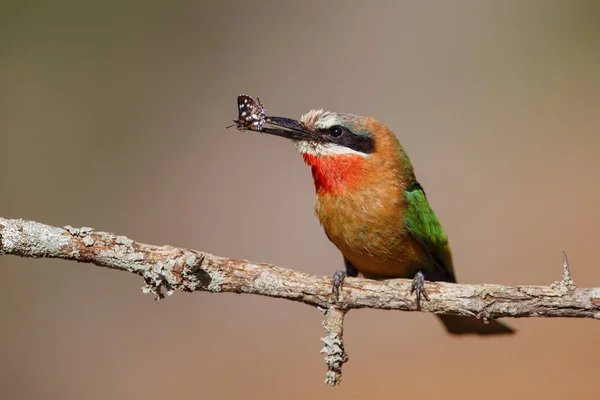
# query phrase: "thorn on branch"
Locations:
[[335, 355], [567, 282], [567, 270]]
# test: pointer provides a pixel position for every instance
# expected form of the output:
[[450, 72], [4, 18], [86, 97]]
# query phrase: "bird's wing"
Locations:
[[427, 229]]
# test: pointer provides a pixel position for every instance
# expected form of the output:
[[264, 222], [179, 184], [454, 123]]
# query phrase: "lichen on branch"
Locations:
[[168, 268]]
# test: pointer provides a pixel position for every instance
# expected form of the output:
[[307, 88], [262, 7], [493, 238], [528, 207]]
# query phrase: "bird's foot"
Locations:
[[418, 286], [337, 282]]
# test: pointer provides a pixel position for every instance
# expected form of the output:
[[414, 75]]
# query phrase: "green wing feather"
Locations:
[[427, 229]]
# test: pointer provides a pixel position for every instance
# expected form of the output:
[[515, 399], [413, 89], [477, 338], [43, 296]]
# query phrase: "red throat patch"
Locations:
[[336, 174]]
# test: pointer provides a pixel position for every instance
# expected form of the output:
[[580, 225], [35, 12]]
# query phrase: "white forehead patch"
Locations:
[[325, 149], [320, 119]]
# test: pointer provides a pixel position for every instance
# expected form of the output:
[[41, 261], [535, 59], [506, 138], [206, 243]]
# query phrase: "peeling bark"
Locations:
[[335, 355]]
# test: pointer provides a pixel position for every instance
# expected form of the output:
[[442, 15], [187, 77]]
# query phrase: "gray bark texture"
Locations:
[[166, 269]]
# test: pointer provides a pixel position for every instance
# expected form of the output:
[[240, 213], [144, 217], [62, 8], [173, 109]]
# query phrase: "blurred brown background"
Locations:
[[112, 116]]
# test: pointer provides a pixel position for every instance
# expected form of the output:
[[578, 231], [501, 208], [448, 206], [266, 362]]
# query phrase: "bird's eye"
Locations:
[[336, 131]]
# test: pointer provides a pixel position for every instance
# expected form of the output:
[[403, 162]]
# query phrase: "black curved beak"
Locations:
[[288, 128]]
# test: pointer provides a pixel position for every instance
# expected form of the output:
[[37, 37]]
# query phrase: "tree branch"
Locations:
[[169, 268], [335, 355]]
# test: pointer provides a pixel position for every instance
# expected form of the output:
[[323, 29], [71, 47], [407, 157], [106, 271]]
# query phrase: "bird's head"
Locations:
[[345, 151]]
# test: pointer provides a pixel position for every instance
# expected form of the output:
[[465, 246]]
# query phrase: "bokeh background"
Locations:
[[112, 116]]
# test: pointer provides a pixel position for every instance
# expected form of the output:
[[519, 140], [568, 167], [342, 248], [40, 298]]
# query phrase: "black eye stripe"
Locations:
[[363, 143]]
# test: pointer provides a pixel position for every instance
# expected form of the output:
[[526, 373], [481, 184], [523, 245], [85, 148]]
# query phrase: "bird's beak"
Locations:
[[288, 128]]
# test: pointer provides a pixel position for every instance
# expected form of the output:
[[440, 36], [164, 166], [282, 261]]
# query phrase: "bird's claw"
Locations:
[[337, 281], [418, 286]]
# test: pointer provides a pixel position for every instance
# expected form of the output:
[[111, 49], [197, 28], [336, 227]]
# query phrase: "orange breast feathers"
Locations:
[[362, 211], [336, 174]]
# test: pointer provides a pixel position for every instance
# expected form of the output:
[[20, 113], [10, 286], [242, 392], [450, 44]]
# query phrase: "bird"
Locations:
[[371, 205]]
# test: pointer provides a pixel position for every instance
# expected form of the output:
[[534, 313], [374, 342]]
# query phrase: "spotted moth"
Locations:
[[251, 114]]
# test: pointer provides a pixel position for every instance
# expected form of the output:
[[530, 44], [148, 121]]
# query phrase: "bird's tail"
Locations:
[[458, 325]]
